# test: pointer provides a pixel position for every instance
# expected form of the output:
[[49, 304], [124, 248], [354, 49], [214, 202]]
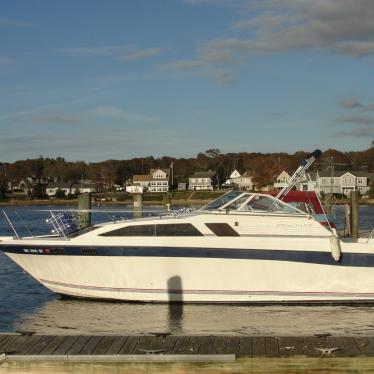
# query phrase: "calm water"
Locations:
[[25, 305]]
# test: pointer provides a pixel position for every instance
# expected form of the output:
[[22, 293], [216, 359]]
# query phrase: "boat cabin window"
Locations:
[[262, 203], [179, 229], [223, 200]]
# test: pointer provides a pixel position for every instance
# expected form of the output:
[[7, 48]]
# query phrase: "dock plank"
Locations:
[[130, 345], [143, 344], [28, 343], [351, 347], [271, 346], [39, 345], [116, 346], [311, 345], [4, 341], [53, 345], [246, 346], [156, 343], [181, 345], [259, 347], [169, 343], [66, 344], [13, 343], [232, 345], [243, 346], [103, 345], [78, 345], [219, 346], [194, 345], [365, 346], [206, 345], [90, 346]]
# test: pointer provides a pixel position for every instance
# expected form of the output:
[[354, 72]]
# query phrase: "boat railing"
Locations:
[[66, 222]]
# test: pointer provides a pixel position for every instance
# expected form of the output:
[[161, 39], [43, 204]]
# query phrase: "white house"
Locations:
[[244, 181], [86, 187], [307, 183], [156, 181], [201, 181], [134, 189], [281, 180], [344, 182], [53, 187]]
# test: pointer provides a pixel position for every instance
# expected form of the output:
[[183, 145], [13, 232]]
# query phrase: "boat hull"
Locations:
[[200, 274]]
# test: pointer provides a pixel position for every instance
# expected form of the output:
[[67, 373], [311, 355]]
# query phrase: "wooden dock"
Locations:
[[24, 347]]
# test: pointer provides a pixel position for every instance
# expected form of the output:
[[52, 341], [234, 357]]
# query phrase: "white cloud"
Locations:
[[120, 114], [276, 26], [358, 119], [122, 52]]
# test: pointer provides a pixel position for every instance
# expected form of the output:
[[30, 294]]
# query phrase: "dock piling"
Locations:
[[84, 203], [354, 196]]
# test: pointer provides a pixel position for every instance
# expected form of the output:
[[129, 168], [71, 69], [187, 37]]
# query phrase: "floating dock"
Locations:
[[165, 347]]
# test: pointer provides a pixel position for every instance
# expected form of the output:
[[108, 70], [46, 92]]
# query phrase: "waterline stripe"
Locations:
[[208, 292]]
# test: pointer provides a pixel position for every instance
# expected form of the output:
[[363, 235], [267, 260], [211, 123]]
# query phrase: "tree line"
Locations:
[[263, 166]]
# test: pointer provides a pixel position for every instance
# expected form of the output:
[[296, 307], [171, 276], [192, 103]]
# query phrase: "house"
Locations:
[[201, 181], [156, 181], [344, 182], [159, 181], [307, 182], [281, 180], [53, 187], [244, 181], [87, 187], [134, 189]]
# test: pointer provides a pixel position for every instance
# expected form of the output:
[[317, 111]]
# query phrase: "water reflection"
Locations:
[[74, 316], [175, 315]]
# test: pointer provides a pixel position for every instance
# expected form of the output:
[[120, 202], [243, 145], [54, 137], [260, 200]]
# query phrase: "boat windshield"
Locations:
[[222, 200], [251, 202]]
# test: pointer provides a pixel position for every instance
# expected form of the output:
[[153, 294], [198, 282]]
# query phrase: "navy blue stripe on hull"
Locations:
[[310, 257]]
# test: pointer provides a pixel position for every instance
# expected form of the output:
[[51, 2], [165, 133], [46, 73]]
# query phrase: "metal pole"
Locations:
[[10, 223]]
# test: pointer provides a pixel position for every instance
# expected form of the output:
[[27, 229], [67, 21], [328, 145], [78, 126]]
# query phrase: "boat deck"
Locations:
[[64, 347]]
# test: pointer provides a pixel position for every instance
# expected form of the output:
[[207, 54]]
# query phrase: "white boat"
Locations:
[[242, 247]]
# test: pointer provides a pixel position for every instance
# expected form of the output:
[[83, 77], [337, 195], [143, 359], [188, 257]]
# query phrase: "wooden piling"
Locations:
[[354, 196], [138, 204], [347, 220], [84, 203]]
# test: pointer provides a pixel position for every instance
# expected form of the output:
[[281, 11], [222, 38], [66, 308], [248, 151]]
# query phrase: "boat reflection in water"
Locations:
[[78, 316]]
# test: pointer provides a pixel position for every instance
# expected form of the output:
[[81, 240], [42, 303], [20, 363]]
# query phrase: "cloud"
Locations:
[[358, 119], [361, 132], [354, 103], [351, 103], [63, 118], [182, 65], [120, 114], [214, 2], [278, 26], [121, 52], [4, 22]]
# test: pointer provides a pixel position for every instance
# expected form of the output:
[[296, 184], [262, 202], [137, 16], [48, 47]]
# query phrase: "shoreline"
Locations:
[[173, 202], [180, 202]]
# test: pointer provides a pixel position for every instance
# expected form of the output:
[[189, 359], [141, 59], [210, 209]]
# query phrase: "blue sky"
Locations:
[[92, 80]]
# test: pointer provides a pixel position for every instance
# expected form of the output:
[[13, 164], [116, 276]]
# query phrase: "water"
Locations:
[[25, 305]]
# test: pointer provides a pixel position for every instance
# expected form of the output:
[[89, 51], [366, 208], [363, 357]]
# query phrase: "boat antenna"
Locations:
[[299, 173]]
